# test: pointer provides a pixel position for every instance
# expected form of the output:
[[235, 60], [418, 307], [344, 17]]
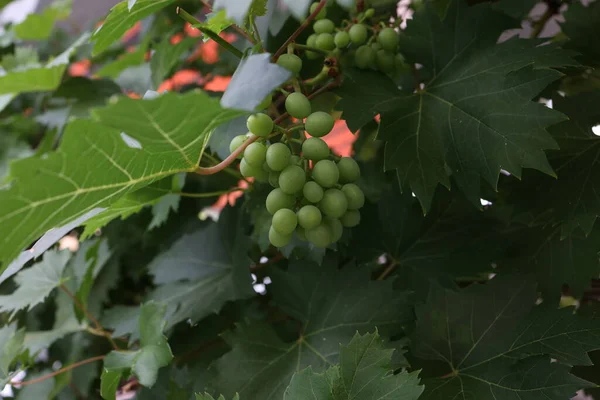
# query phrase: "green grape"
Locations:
[[369, 13], [277, 239], [364, 57], [385, 61], [247, 170], [292, 179], [235, 143], [266, 102], [336, 228], [278, 156], [312, 42], [325, 42], [265, 166], [315, 149], [358, 34], [295, 160], [349, 170], [277, 199], [322, 14], [324, 26], [350, 219], [319, 124], [260, 124], [326, 173], [388, 38], [309, 217], [255, 154], [375, 46], [290, 62], [285, 221], [297, 105], [341, 39], [319, 236], [274, 179], [355, 196], [312, 192], [301, 233], [334, 203]]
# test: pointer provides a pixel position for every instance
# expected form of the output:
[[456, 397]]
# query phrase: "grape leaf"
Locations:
[[518, 9], [581, 26], [203, 270], [153, 354], [127, 60], [236, 10], [36, 283], [497, 343], [364, 372], [207, 396], [217, 22], [330, 305], [38, 26], [171, 129], [39, 390], [35, 78], [120, 19], [11, 345], [123, 321], [475, 115], [166, 56], [254, 78]]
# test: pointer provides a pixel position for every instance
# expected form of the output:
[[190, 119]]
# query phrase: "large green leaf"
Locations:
[[120, 19], [11, 345], [496, 343], [474, 114], [38, 26], [154, 351], [364, 373], [94, 166], [330, 306], [166, 56], [581, 26]]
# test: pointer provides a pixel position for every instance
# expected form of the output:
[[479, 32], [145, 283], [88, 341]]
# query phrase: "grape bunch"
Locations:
[[315, 195], [372, 46]]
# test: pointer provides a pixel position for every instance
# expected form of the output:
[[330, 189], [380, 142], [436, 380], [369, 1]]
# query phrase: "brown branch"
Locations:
[[87, 314], [538, 26], [301, 28], [388, 270], [60, 371]]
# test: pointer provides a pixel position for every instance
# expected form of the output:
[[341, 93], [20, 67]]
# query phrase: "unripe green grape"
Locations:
[[312, 192], [323, 26], [354, 195], [277, 239], [309, 217], [375, 46], [364, 57], [325, 173], [285, 221], [322, 14], [277, 199], [265, 166], [385, 61], [274, 179], [388, 38], [336, 228], [266, 102], [369, 13], [298, 105], [260, 124], [291, 62], [349, 170], [295, 160], [319, 236], [248, 171], [358, 34], [312, 42], [334, 203], [351, 218], [278, 156], [235, 143], [255, 154], [319, 124], [325, 42], [341, 39], [292, 179], [315, 149], [301, 232]]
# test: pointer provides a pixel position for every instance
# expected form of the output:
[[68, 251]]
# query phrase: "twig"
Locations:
[[388, 270], [214, 36], [210, 194], [226, 162], [60, 371], [301, 28], [539, 25], [236, 28], [87, 314]]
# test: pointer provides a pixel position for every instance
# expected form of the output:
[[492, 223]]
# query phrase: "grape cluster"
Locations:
[[373, 47], [314, 195]]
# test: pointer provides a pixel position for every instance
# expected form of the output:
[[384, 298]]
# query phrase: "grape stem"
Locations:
[[214, 36], [308, 48], [60, 371], [300, 29]]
